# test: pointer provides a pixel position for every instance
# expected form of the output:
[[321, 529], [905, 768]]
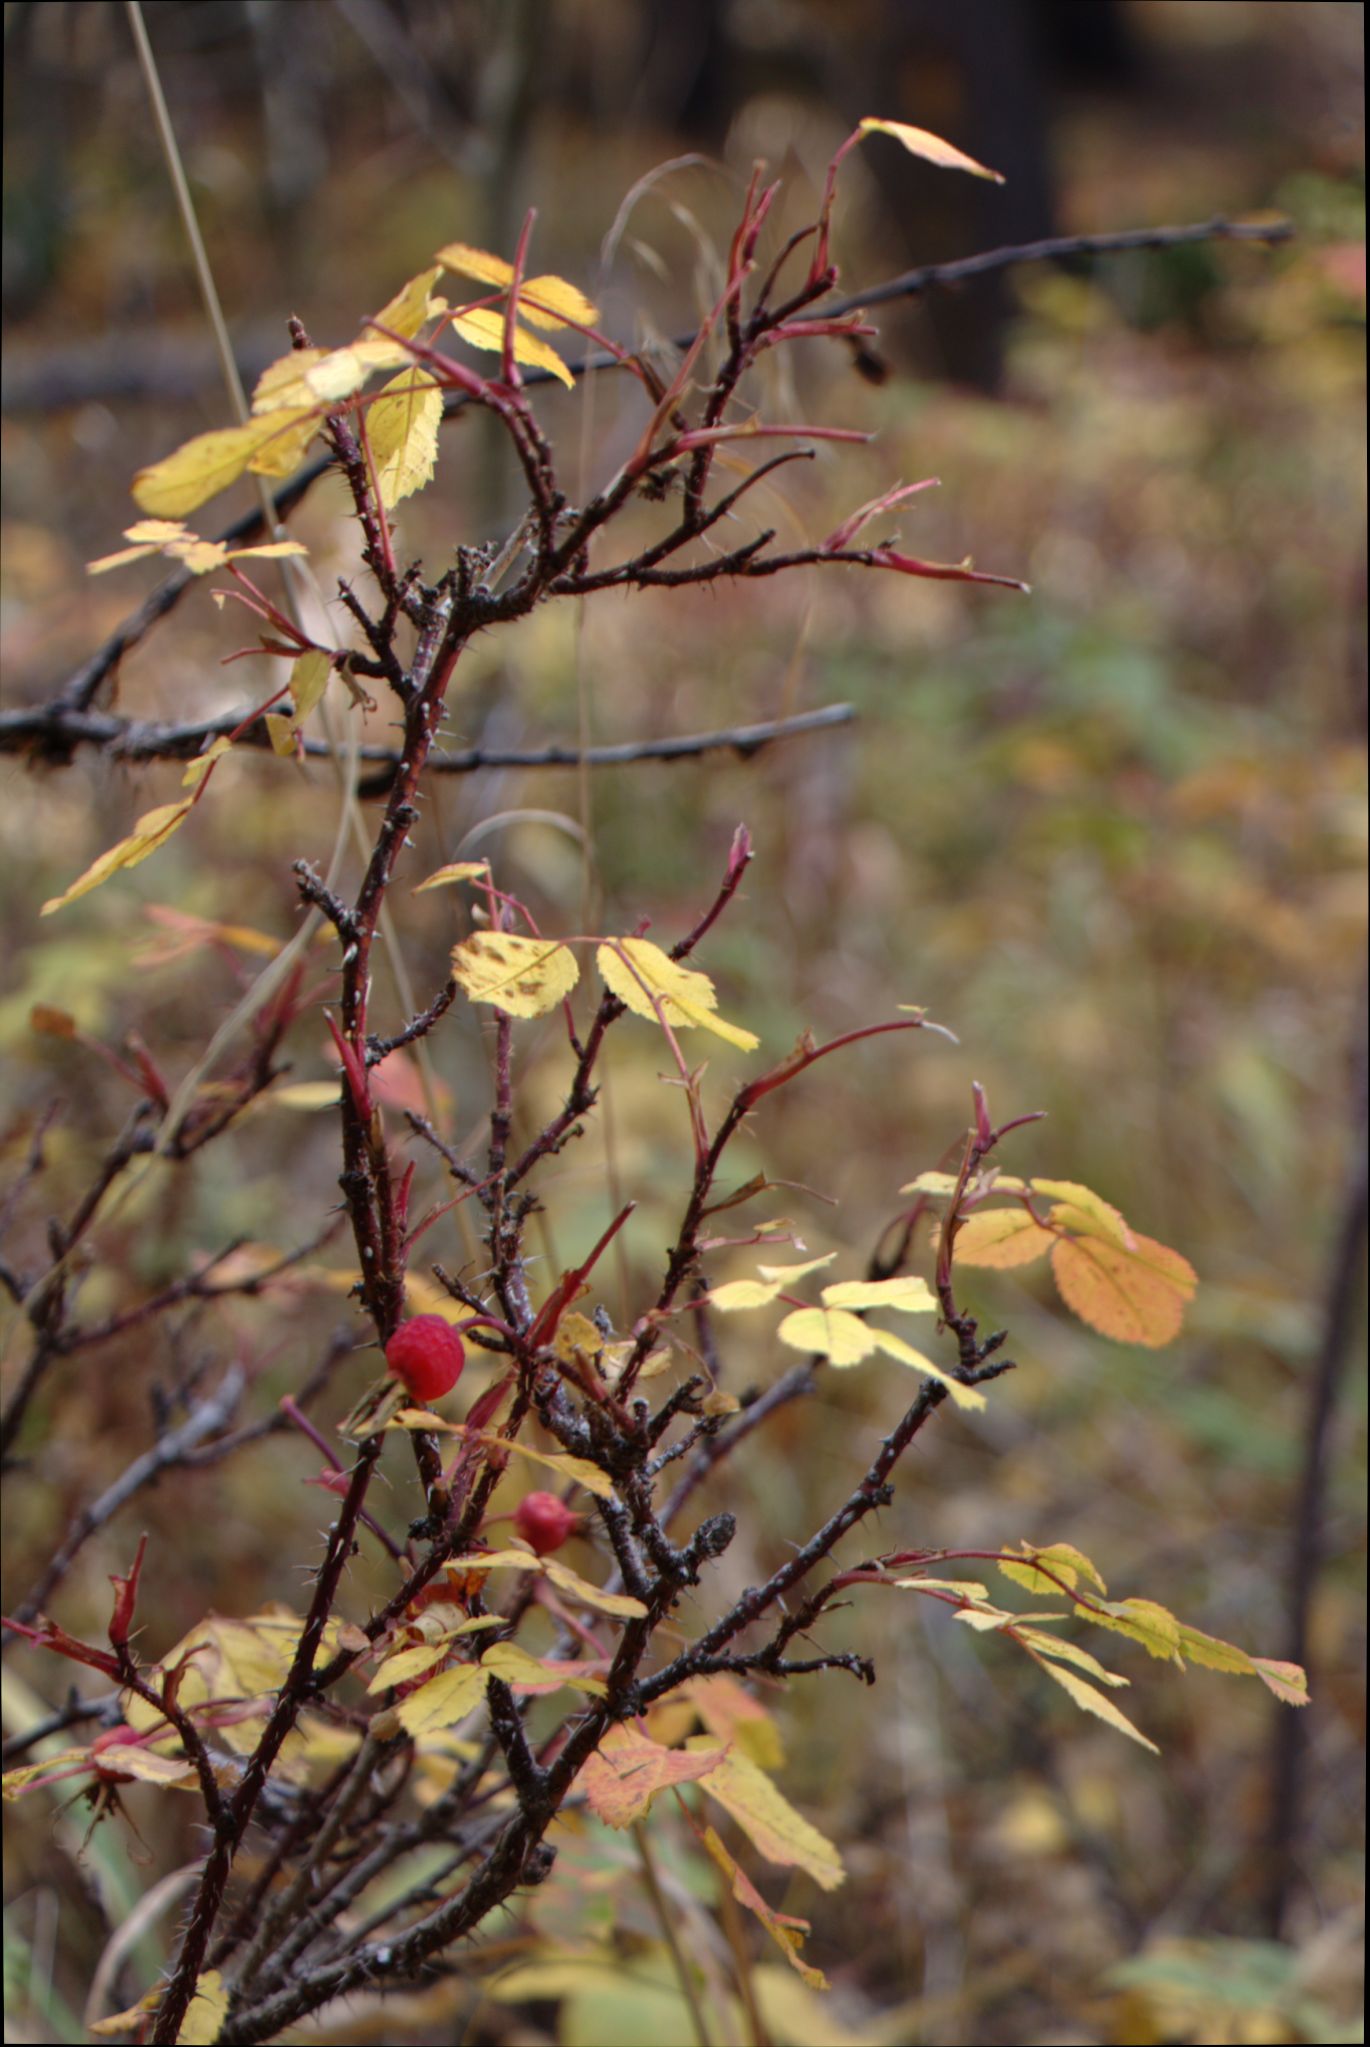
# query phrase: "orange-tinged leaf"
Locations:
[[1000, 1238], [729, 1711], [484, 328], [768, 1820], [785, 1930], [523, 976], [624, 1776], [932, 149], [636, 971], [152, 830], [402, 429], [443, 1701], [50, 1022], [1135, 1296], [1288, 1681], [1090, 1701]]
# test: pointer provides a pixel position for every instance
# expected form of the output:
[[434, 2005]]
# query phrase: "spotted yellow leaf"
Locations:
[[522, 976]]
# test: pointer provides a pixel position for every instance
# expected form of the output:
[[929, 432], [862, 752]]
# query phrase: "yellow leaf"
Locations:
[[756, 1293], [197, 769], [1000, 1238], [636, 971], [566, 1580], [485, 329], [152, 830], [768, 1820], [443, 1701], [1214, 1654], [543, 301], [198, 469], [829, 1332], [550, 301], [457, 870], [1089, 1209], [932, 149], [402, 428], [1134, 1296], [1068, 1652], [506, 1660], [1090, 1701], [895, 1347], [965, 1588], [930, 1183], [412, 304], [477, 263], [287, 435], [523, 976], [911, 1296], [306, 1094], [1141, 1620], [1068, 1563], [308, 681], [407, 1663], [282, 383], [206, 2012]]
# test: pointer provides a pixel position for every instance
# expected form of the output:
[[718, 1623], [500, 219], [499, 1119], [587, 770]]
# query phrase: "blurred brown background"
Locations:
[[1112, 834]]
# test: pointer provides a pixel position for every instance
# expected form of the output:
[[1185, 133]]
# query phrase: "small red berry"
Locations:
[[544, 1522], [427, 1355]]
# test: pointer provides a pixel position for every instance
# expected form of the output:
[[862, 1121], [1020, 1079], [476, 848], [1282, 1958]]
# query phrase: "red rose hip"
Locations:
[[544, 1522], [427, 1355]]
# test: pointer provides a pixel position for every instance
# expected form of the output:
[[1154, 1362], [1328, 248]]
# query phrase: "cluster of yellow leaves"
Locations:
[[1121, 1283], [294, 394], [528, 976], [836, 1331], [1060, 1571]]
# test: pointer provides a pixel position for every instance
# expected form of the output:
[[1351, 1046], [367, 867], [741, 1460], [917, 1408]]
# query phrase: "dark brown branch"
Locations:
[[53, 732]]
